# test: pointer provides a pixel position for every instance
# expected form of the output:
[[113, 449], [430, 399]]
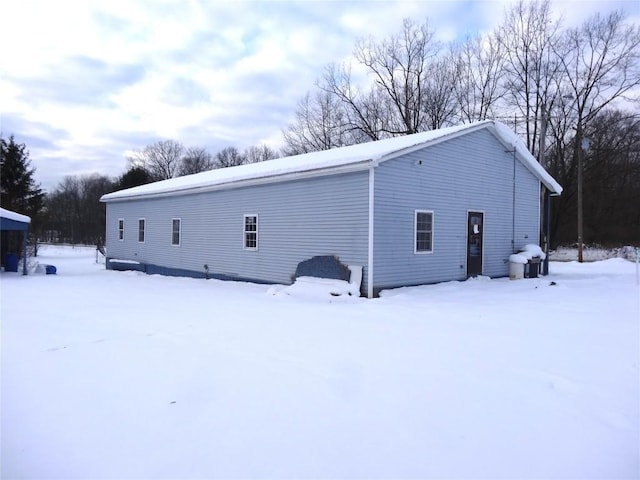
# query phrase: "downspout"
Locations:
[[513, 207], [370, 237], [547, 228]]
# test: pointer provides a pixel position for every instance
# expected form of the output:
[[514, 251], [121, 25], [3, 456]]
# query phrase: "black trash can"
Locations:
[[533, 267]]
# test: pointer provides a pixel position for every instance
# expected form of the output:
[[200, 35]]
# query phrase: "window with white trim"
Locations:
[[175, 231], [424, 231], [251, 232], [121, 229], [141, 228]]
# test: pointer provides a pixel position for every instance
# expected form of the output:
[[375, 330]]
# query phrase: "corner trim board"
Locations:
[[370, 239]]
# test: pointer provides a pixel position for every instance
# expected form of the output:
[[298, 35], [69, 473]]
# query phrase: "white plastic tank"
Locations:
[[517, 262]]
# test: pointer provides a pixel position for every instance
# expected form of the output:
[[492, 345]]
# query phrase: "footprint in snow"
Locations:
[[55, 349]]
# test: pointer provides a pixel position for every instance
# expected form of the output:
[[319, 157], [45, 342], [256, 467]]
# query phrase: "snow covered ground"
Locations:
[[122, 375]]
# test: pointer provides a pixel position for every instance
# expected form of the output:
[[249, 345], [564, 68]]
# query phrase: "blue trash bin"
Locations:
[[11, 262], [50, 270]]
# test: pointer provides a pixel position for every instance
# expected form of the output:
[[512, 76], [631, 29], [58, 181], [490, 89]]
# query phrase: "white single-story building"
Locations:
[[424, 208]]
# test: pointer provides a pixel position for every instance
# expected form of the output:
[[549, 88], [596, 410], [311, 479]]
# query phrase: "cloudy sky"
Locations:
[[84, 82]]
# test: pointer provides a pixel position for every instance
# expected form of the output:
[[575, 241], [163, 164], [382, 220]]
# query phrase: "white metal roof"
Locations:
[[317, 163], [18, 217]]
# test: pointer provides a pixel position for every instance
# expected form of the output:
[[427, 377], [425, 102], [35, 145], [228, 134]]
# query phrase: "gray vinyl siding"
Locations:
[[329, 215], [468, 173], [296, 220]]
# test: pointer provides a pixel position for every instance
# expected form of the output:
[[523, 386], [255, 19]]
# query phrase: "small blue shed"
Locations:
[[12, 221], [425, 208]]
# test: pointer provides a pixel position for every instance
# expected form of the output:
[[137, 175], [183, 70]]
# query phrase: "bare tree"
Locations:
[[321, 123], [527, 37], [161, 159], [601, 65], [259, 153], [228, 157], [318, 124], [611, 176], [479, 67], [399, 66], [391, 101], [74, 213], [195, 160], [364, 111], [439, 105]]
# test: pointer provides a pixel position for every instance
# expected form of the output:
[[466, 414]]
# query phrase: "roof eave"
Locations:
[[283, 177], [541, 174]]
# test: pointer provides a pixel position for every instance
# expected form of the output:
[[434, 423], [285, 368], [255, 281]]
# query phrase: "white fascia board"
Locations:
[[371, 227], [525, 157], [319, 172], [546, 179]]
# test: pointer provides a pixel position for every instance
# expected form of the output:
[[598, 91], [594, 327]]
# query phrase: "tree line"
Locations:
[[531, 72], [166, 159]]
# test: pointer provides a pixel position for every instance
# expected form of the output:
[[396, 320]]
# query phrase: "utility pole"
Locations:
[[579, 147], [546, 224]]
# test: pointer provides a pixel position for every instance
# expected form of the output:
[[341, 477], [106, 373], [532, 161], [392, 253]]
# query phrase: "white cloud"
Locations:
[[84, 81]]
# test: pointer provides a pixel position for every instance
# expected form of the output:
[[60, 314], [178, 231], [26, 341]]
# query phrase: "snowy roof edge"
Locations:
[[511, 138], [335, 160], [18, 217]]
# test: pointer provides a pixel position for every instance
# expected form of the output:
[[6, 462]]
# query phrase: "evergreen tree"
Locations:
[[19, 191], [133, 177]]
